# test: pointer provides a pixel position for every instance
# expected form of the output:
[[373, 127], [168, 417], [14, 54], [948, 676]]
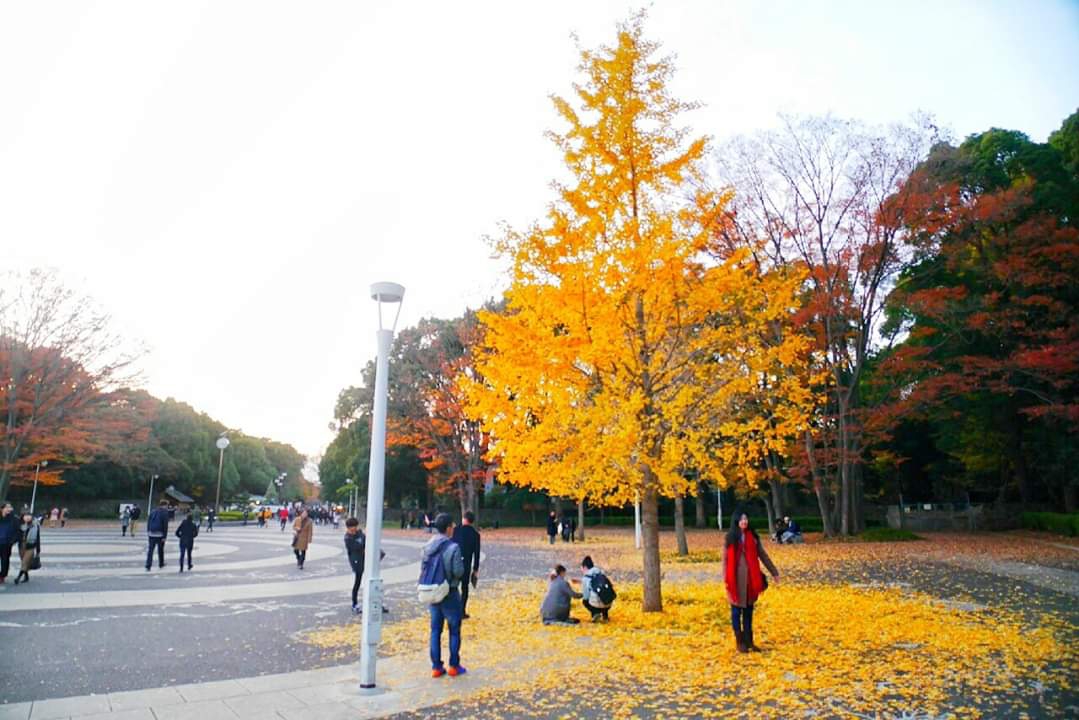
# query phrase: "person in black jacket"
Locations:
[[9, 535], [157, 529], [355, 547], [187, 532], [552, 527], [467, 538]]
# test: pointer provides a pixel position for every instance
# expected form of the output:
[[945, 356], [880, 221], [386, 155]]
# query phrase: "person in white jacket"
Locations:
[[592, 602]]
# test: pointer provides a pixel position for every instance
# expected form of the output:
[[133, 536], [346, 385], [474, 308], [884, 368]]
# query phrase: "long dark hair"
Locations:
[[734, 535]]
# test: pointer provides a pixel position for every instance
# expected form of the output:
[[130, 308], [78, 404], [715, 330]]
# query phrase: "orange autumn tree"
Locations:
[[616, 366]]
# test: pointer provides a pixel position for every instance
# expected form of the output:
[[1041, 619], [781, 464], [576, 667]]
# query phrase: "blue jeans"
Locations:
[[158, 542], [185, 550], [449, 610], [742, 618]]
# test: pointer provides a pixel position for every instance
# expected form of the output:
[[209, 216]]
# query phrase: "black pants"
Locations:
[[210, 525], [5, 559], [466, 585], [357, 579], [301, 555], [596, 610], [185, 550], [160, 543]]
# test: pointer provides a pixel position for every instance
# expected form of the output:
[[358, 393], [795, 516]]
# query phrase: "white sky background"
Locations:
[[227, 178]]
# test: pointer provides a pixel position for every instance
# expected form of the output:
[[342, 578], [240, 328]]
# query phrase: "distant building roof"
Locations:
[[178, 496]]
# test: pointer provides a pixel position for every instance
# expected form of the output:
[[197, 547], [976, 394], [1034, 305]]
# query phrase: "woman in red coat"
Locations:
[[743, 554]]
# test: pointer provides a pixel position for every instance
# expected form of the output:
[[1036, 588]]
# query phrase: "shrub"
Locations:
[[1059, 523], [883, 534]]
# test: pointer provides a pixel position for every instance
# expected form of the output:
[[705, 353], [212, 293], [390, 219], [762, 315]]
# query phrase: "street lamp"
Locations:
[[150, 500], [348, 481], [383, 292], [222, 443], [33, 495]]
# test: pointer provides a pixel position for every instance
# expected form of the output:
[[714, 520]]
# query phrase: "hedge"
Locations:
[[1059, 523]]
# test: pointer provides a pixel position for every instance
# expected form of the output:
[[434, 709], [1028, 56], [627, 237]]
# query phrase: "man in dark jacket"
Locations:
[[157, 529], [187, 532], [356, 547], [467, 538], [9, 535]]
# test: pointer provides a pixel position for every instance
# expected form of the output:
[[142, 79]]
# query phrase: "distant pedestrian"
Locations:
[[336, 518], [467, 538], [303, 529], [54, 517], [157, 529], [9, 535], [556, 603], [29, 547], [443, 565], [136, 512], [282, 514], [246, 513], [211, 516], [552, 527], [63, 517], [742, 554], [125, 520], [187, 532]]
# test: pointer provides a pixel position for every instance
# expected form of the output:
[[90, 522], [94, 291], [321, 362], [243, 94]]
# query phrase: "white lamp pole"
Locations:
[[719, 507], [33, 495], [637, 522], [150, 499], [348, 481], [383, 292], [222, 443]]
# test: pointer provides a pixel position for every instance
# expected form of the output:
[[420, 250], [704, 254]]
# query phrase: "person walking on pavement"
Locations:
[[187, 532], [29, 547], [211, 516], [552, 527], [9, 535], [125, 520], [467, 538], [355, 548], [135, 513], [442, 549], [63, 517], [157, 529], [303, 529], [282, 514]]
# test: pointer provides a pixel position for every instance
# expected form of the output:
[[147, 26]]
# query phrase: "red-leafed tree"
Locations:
[[58, 359], [992, 303]]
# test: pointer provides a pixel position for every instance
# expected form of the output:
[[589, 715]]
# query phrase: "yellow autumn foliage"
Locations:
[[630, 355]]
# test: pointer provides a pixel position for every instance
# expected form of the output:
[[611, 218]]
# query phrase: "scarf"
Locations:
[[755, 585]]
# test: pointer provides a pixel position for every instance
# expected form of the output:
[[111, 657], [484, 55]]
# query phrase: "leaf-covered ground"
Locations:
[[854, 630]]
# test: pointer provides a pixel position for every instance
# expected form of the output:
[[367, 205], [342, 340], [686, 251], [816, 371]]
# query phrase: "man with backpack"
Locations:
[[597, 590], [441, 572], [157, 529]]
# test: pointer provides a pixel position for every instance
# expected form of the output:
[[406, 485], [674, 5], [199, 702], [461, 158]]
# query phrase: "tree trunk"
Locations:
[[653, 591], [680, 525], [777, 500], [771, 517], [699, 504], [1019, 461], [580, 520], [819, 488], [844, 474]]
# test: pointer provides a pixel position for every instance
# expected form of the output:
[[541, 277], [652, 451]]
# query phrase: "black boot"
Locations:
[[739, 642], [749, 641]]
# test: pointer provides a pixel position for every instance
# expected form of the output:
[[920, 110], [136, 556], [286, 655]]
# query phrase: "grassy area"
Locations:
[[883, 534], [1059, 523]]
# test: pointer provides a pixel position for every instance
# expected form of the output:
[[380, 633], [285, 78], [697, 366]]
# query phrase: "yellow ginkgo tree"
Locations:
[[620, 363]]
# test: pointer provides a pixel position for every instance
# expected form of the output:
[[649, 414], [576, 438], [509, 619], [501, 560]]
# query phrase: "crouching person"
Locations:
[[555, 608], [597, 590]]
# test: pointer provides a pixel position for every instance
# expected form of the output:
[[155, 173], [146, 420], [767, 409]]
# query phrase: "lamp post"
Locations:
[[222, 443], [348, 481], [33, 495], [150, 499], [384, 292]]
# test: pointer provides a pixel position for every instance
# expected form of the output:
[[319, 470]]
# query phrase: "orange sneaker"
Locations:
[[439, 672], [456, 670]]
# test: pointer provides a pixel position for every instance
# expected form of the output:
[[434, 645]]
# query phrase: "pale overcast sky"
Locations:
[[227, 178]]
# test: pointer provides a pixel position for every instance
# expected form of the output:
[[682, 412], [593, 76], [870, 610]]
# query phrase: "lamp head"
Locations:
[[222, 443], [388, 292]]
